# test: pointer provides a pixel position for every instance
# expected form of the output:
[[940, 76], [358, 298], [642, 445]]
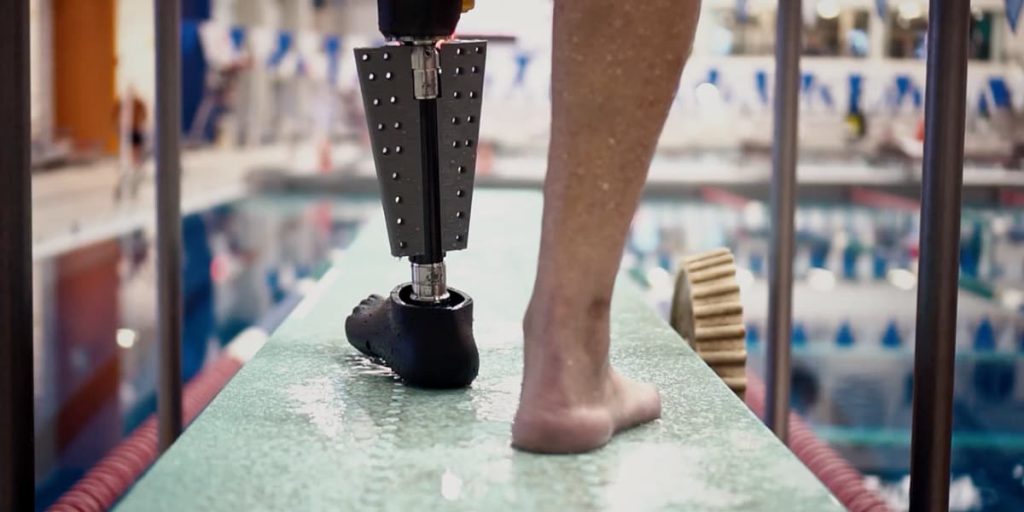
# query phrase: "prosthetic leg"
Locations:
[[422, 94]]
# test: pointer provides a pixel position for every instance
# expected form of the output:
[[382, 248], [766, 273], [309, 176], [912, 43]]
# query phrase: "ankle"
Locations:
[[548, 311]]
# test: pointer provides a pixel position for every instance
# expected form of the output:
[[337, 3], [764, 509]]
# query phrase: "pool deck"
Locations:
[[310, 425]]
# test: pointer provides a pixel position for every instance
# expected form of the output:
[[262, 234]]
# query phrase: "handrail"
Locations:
[[789, 24], [935, 346], [168, 218], [17, 467]]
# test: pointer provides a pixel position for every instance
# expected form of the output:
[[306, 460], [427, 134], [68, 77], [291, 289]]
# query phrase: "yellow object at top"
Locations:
[[467, 5]]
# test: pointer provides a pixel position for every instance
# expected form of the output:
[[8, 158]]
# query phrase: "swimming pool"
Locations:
[[247, 262]]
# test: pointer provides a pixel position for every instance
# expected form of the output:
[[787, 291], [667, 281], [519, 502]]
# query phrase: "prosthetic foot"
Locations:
[[707, 313], [422, 95]]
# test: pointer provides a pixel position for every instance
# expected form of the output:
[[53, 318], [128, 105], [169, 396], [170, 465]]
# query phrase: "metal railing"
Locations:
[[942, 180], [937, 291], [17, 425], [168, 218]]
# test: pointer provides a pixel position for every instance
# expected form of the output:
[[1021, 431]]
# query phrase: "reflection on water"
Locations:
[[95, 342]]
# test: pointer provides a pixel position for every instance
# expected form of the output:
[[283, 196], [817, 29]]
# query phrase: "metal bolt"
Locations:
[[456, 95], [376, 102], [398, 149], [458, 215], [455, 144], [455, 120], [384, 150], [387, 76], [366, 57], [479, 49], [399, 221], [387, 56], [458, 238], [470, 119], [398, 199], [460, 192], [458, 51], [394, 100], [398, 125], [394, 175], [469, 143], [371, 76], [458, 71], [401, 245], [380, 127], [461, 169], [472, 94], [474, 69]]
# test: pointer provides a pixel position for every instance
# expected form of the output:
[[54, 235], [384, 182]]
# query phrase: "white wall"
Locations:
[[135, 49]]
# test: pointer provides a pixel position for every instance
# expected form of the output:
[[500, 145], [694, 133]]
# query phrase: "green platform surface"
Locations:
[[310, 425]]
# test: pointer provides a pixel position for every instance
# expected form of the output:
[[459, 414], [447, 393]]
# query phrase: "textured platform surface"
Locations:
[[308, 425]]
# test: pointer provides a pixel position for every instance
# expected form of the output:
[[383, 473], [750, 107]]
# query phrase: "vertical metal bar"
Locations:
[[935, 345], [17, 444], [788, 30], [168, 217]]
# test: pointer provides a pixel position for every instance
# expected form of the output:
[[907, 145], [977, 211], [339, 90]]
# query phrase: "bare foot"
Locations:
[[572, 400]]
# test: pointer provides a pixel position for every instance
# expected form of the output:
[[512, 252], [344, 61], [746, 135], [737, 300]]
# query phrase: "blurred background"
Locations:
[[278, 180]]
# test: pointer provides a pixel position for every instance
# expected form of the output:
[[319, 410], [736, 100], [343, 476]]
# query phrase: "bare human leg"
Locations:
[[615, 71]]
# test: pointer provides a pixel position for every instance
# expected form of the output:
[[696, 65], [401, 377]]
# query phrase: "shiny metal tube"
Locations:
[[429, 283], [168, 219], [783, 204]]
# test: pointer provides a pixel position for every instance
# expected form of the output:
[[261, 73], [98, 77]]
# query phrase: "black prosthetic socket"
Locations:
[[418, 19], [426, 345]]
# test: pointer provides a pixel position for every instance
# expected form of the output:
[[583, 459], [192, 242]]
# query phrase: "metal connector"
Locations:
[[429, 283], [425, 67]]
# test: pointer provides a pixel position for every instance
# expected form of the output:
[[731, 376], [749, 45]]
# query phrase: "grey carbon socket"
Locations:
[[394, 121], [458, 128]]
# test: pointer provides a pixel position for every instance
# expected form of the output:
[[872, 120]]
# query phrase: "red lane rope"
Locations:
[[112, 476], [845, 482]]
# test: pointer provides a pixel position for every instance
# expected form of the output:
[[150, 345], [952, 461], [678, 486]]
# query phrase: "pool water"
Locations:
[[853, 331], [244, 264]]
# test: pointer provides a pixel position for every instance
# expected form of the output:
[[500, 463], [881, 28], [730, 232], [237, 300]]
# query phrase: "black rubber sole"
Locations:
[[428, 346]]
